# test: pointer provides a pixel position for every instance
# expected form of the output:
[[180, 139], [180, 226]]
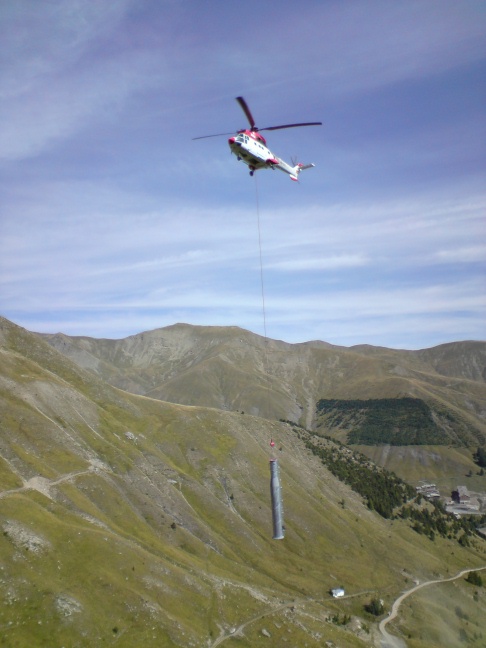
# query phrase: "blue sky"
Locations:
[[114, 221]]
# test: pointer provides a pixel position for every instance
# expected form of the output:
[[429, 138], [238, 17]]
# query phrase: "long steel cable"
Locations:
[[277, 507], [262, 284], [261, 262]]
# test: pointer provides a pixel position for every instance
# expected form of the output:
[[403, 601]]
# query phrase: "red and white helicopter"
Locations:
[[251, 148]]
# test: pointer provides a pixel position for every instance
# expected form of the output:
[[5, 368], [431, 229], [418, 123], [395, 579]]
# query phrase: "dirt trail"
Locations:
[[388, 640], [43, 485], [273, 609], [238, 631]]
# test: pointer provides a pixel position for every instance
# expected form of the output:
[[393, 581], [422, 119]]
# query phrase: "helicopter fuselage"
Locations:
[[251, 148]]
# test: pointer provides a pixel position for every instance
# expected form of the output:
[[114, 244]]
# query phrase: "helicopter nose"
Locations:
[[231, 140]]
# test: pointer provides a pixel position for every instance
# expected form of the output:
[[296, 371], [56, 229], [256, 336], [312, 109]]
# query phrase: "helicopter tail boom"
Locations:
[[298, 168], [293, 171]]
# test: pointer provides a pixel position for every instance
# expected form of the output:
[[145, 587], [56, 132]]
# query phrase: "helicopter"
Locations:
[[250, 147]]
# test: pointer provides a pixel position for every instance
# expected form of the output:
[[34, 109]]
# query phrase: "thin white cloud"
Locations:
[[351, 47], [472, 254], [54, 86], [386, 43], [41, 40], [392, 317], [114, 220], [60, 108], [319, 263]]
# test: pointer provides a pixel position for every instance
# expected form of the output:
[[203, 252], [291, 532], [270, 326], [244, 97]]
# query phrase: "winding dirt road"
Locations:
[[388, 640]]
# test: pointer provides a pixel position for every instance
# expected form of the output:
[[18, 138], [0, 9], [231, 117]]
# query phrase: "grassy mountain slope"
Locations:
[[130, 521], [233, 369], [445, 466]]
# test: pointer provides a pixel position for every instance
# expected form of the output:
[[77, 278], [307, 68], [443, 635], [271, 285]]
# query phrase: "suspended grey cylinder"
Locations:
[[277, 508]]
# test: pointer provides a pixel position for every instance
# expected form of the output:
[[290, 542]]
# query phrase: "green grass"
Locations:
[[448, 615], [8, 478], [160, 573], [151, 550], [445, 466]]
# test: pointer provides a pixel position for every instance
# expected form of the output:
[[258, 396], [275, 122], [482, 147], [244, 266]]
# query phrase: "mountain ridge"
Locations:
[[233, 369], [130, 521]]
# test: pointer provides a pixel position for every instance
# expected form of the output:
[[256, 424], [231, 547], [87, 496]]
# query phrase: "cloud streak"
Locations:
[[114, 220]]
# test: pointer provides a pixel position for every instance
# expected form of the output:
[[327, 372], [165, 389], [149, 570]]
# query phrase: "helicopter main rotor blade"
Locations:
[[246, 110], [216, 135], [270, 128]]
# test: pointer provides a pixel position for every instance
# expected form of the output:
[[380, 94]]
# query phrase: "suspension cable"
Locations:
[[277, 508], [261, 263], [273, 461]]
